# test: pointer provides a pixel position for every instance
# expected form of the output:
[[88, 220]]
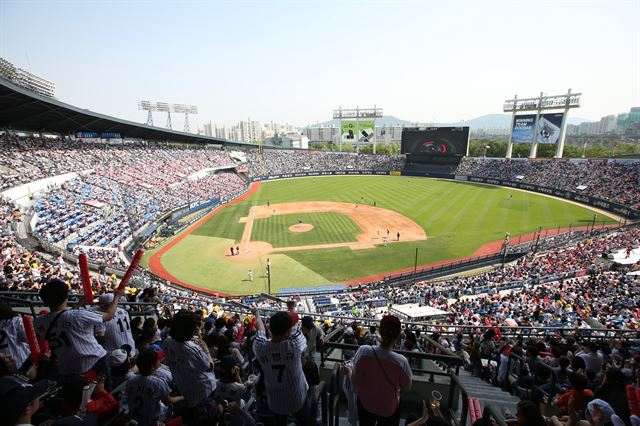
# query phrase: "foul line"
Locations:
[[155, 264]]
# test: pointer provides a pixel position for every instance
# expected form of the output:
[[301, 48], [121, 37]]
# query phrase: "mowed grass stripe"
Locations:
[[458, 218], [328, 228]]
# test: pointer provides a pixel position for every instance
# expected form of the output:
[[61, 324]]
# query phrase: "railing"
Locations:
[[31, 301], [425, 327], [455, 386], [423, 273]]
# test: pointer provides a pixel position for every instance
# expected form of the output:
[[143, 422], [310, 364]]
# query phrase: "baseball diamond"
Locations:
[[442, 219]]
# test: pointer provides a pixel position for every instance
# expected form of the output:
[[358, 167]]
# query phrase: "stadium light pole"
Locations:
[[268, 276]]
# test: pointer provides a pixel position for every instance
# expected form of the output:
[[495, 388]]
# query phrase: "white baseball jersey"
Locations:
[[191, 370], [165, 374], [117, 331], [282, 366], [13, 340], [230, 391], [145, 394], [72, 339]]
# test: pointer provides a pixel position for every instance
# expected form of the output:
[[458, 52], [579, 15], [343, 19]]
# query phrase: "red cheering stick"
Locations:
[[30, 332], [131, 270], [632, 399], [86, 279]]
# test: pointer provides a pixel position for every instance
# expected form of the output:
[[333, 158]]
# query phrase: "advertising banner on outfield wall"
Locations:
[[548, 128], [329, 173], [523, 128], [354, 131]]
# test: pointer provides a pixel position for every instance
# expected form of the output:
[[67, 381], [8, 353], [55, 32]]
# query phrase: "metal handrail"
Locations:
[[427, 327]]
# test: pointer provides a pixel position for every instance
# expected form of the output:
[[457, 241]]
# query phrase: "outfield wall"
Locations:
[[616, 208], [329, 173]]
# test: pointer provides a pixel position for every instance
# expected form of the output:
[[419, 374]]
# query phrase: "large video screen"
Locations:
[[435, 141]]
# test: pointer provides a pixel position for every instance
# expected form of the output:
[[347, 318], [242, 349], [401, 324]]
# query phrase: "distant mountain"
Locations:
[[488, 121], [498, 121]]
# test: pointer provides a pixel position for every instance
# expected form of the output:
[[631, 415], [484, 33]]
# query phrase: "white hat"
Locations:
[[118, 357], [105, 299]]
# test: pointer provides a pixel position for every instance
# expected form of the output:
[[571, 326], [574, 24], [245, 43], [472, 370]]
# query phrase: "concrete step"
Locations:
[[487, 393]]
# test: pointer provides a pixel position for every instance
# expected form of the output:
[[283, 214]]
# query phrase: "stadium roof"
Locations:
[[21, 109]]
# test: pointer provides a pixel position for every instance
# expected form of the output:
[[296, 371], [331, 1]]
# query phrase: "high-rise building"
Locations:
[[26, 79]]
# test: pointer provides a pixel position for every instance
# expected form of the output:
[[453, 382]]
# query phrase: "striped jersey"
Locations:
[[145, 395], [230, 391], [117, 331], [72, 339], [191, 370], [282, 367], [13, 340]]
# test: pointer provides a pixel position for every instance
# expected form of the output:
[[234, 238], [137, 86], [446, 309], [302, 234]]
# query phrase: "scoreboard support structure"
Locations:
[[540, 104]]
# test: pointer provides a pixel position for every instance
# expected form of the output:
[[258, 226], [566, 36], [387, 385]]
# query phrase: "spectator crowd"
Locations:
[[605, 179]]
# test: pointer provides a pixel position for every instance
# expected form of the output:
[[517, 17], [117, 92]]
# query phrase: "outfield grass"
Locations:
[[328, 228], [457, 217]]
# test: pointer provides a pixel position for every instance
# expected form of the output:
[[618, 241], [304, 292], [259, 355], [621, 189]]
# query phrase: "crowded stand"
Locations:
[[510, 294], [608, 180], [153, 353], [227, 373], [274, 162]]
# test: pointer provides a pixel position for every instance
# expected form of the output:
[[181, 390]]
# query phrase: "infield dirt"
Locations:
[[376, 223]]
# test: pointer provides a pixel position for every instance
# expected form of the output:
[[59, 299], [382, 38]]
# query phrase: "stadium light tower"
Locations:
[[186, 110], [165, 107], [149, 107]]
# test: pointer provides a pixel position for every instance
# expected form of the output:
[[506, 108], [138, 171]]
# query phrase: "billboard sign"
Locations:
[[92, 135], [523, 126], [435, 141], [548, 128], [357, 130]]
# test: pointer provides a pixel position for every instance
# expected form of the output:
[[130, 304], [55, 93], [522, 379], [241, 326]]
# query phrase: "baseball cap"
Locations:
[[280, 322], [105, 299], [118, 357], [15, 396], [607, 410]]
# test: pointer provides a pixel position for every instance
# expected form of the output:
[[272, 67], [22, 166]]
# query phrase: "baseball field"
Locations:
[[324, 230]]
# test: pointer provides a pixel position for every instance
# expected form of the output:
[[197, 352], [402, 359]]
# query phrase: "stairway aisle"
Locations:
[[488, 394]]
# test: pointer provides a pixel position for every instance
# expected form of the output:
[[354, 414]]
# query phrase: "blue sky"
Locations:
[[294, 61]]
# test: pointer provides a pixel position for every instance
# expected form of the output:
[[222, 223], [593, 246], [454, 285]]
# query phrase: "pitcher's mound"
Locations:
[[301, 227]]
